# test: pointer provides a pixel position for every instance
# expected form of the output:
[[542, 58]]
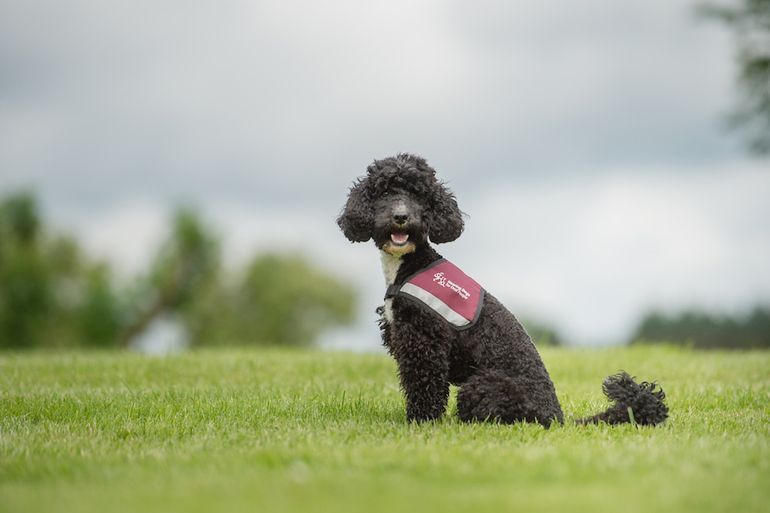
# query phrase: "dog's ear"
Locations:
[[446, 223], [357, 217]]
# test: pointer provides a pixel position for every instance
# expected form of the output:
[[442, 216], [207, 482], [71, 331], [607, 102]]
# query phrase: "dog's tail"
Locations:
[[638, 403]]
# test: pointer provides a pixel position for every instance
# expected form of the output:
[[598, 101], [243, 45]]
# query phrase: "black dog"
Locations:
[[442, 328]]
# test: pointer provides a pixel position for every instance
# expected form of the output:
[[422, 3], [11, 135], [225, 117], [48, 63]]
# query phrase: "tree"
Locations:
[[99, 313], [542, 334], [180, 272], [750, 21], [51, 294], [706, 331], [25, 281], [280, 299]]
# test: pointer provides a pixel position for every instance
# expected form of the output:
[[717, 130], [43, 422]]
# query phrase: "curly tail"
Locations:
[[637, 403]]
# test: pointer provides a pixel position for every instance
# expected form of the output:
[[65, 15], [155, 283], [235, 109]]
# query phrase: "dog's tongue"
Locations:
[[399, 238]]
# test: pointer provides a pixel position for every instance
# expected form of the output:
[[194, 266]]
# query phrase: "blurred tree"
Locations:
[[53, 295], [750, 21], [50, 294], [542, 334], [281, 299], [25, 282], [186, 262], [702, 330], [98, 314], [20, 218]]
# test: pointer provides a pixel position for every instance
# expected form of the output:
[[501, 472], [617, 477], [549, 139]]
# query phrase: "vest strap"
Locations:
[[392, 291]]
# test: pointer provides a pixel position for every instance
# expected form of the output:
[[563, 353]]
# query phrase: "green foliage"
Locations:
[[750, 21], [25, 292], [99, 313], [280, 299], [181, 271], [25, 295], [542, 334], [19, 219], [702, 330], [287, 430], [186, 261], [52, 295]]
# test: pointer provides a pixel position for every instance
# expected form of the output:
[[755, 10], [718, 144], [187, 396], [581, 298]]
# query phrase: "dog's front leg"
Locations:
[[423, 366]]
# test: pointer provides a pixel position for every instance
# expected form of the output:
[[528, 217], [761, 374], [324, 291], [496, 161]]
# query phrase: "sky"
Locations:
[[587, 144]]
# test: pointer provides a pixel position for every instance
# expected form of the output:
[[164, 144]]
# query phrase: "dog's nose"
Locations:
[[400, 218]]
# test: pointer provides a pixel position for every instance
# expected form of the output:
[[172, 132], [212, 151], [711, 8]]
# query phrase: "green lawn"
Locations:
[[273, 431]]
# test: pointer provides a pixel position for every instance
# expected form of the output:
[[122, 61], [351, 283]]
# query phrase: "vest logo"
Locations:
[[449, 284]]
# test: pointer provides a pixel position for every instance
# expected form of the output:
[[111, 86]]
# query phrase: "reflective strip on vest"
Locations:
[[446, 290]]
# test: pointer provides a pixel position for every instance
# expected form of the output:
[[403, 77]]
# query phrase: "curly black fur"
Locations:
[[497, 367], [642, 403]]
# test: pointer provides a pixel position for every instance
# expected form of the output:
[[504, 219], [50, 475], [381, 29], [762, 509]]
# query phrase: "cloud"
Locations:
[[272, 99], [594, 132]]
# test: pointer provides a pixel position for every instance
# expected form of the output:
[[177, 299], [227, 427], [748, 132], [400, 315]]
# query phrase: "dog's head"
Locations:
[[401, 205]]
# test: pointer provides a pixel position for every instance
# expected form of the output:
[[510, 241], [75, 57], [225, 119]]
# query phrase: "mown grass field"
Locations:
[[274, 431]]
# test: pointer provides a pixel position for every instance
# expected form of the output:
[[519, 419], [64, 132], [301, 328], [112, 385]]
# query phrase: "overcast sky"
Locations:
[[586, 142]]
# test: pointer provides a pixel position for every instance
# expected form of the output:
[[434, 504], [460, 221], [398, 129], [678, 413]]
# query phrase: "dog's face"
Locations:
[[401, 205], [398, 223]]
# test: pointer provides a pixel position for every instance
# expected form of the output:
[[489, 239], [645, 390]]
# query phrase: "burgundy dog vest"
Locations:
[[445, 290]]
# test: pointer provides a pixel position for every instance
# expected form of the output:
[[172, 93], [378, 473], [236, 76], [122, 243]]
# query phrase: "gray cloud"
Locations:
[[263, 112], [188, 100]]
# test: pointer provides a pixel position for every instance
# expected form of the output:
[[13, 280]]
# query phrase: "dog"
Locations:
[[443, 328]]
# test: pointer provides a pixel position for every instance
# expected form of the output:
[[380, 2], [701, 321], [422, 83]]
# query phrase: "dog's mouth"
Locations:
[[399, 244], [399, 239]]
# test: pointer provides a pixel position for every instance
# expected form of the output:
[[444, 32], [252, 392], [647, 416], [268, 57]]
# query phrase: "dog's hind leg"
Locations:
[[495, 396]]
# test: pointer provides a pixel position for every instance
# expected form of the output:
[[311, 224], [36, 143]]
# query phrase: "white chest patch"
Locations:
[[390, 266]]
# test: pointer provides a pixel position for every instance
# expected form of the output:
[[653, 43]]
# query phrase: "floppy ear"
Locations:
[[357, 217], [446, 219]]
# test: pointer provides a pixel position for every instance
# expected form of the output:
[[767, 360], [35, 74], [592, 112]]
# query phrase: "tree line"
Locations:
[[706, 331], [53, 294]]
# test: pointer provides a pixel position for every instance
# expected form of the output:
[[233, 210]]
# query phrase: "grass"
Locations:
[[274, 431]]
